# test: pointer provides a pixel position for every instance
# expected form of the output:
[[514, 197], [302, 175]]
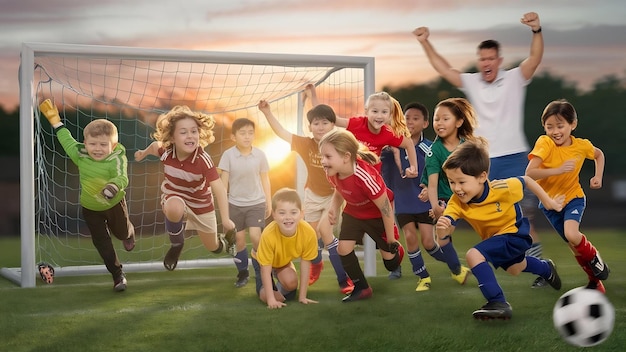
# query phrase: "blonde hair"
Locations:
[[166, 124], [345, 142], [398, 123], [101, 127]]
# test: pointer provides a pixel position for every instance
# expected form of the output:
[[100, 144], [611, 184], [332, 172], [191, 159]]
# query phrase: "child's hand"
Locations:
[[595, 182], [556, 203], [567, 166], [307, 301], [264, 107], [410, 172], [272, 303], [228, 225], [139, 155], [50, 111], [393, 247], [110, 191], [443, 227], [423, 196], [332, 216]]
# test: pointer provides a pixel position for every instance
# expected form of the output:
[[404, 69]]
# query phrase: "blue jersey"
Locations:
[[405, 190]]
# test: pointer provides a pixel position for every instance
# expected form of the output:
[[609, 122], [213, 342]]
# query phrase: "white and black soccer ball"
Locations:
[[583, 317]]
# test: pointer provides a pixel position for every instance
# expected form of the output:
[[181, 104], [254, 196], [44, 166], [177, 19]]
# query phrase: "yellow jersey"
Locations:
[[278, 250]]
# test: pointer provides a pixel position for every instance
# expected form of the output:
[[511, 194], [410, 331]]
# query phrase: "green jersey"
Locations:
[[94, 174], [434, 161]]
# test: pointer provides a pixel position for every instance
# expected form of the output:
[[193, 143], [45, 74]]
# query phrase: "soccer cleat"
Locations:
[[396, 274], [596, 285], [599, 267], [358, 295], [539, 282], [346, 287], [315, 272], [554, 280], [119, 284], [461, 277], [129, 243], [494, 310], [242, 278], [171, 257], [230, 245], [423, 284]]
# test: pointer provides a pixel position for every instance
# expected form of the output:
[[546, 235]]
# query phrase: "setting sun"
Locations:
[[276, 150]]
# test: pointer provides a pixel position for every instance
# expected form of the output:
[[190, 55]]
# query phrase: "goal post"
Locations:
[[132, 87]]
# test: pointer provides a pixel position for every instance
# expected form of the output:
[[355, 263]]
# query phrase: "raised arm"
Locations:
[[310, 93], [280, 131], [152, 149], [530, 64], [440, 64]]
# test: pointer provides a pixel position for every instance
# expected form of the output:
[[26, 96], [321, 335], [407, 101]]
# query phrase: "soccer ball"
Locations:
[[583, 317]]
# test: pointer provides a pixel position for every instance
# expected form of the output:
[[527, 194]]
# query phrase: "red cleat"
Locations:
[[596, 285], [346, 287], [358, 295], [316, 270]]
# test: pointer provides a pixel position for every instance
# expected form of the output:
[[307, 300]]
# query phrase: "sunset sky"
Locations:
[[585, 40]]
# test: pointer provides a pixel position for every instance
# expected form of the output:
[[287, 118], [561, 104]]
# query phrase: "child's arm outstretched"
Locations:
[[152, 149], [555, 203], [309, 91], [280, 131], [305, 269], [51, 113]]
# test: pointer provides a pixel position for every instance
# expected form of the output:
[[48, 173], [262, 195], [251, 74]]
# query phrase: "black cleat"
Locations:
[[358, 295], [171, 257], [539, 283], [494, 310], [554, 280], [599, 267], [242, 278]]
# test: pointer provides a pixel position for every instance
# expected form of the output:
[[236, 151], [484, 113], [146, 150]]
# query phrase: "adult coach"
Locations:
[[498, 97]]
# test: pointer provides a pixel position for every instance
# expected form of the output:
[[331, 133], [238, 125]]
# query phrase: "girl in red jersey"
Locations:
[[191, 181], [349, 168]]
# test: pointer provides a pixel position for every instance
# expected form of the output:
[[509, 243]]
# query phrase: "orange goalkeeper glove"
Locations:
[[50, 112]]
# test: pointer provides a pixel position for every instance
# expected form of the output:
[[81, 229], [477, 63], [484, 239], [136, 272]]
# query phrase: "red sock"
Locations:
[[586, 268], [585, 249]]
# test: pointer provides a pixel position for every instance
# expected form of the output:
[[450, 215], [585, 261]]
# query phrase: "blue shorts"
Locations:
[[572, 211], [505, 250]]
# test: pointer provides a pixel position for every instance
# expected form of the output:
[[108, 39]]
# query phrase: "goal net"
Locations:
[[131, 87]]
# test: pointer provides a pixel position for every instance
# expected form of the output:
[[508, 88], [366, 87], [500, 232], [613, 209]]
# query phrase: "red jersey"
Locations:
[[374, 142], [189, 179], [360, 189]]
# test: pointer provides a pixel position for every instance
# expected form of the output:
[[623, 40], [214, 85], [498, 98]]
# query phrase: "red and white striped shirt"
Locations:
[[189, 179]]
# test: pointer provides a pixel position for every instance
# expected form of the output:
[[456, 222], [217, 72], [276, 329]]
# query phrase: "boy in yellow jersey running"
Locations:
[[493, 210]]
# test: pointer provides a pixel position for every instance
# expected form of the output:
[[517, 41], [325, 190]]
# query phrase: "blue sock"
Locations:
[[257, 275], [487, 282], [320, 246], [175, 231], [335, 260], [242, 260], [538, 267], [437, 253], [417, 261], [452, 259]]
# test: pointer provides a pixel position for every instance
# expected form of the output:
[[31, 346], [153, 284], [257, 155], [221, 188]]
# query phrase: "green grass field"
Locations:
[[201, 310]]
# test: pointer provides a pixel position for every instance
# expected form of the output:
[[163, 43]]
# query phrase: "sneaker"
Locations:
[[358, 295], [396, 274], [599, 268], [461, 277], [129, 243], [119, 284], [242, 278], [346, 287], [596, 285], [539, 282], [315, 272], [423, 284], [230, 245], [554, 280], [494, 310], [171, 257]]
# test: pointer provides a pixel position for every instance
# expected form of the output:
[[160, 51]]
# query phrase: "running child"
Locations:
[[493, 210], [368, 209], [103, 170], [555, 162], [191, 182]]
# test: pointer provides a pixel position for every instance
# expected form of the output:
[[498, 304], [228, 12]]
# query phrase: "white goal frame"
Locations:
[[25, 276]]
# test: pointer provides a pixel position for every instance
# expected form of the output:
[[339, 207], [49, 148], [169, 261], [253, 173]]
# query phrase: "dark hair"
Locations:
[[489, 44], [472, 157], [241, 123], [462, 110], [560, 108], [321, 112], [419, 106], [286, 195]]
